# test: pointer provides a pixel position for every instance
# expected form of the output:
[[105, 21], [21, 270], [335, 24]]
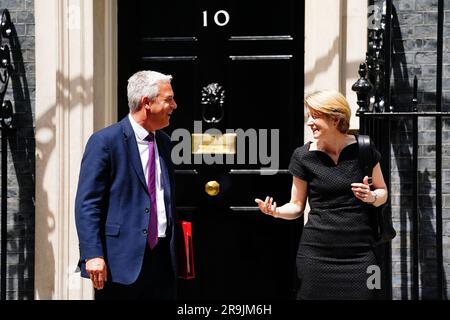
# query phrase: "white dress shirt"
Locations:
[[142, 144]]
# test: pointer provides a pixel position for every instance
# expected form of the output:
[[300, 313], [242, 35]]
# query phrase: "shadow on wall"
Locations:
[[322, 64], [77, 91], [402, 141], [20, 237]]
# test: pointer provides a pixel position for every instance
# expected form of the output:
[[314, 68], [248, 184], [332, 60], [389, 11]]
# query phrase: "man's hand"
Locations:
[[97, 271]]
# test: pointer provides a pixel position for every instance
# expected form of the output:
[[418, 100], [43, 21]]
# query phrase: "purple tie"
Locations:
[[152, 236]]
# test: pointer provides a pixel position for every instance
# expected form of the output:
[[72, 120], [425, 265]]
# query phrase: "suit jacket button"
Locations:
[[147, 210], [144, 231]]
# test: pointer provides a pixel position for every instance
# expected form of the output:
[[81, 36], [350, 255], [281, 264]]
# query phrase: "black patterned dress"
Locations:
[[336, 246]]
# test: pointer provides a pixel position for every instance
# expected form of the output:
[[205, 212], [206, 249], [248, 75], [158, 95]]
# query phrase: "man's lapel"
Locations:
[[133, 152]]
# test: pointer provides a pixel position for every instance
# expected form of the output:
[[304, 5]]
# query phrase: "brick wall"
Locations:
[[415, 44], [21, 152]]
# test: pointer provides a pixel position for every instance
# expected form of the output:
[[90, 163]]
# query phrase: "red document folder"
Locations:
[[185, 250]]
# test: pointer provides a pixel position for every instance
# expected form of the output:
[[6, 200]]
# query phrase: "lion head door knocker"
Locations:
[[213, 98]]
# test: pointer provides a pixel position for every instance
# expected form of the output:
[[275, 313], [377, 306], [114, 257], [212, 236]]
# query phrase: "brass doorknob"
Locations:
[[212, 188]]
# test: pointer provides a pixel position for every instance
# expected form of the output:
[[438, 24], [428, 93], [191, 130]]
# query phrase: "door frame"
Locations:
[[76, 84]]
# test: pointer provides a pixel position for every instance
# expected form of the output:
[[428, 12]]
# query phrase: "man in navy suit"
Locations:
[[124, 208]]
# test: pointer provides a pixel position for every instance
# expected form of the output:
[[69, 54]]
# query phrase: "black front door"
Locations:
[[237, 67]]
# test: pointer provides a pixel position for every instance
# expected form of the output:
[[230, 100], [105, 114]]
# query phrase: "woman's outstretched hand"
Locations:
[[268, 207]]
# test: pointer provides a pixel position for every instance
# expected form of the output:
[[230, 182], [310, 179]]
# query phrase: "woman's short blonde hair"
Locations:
[[331, 104]]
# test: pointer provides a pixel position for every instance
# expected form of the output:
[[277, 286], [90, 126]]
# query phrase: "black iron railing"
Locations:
[[6, 113], [380, 117]]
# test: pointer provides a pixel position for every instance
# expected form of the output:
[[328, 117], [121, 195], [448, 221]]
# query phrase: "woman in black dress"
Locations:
[[336, 250]]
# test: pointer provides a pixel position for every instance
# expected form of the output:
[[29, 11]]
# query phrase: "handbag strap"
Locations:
[[365, 156]]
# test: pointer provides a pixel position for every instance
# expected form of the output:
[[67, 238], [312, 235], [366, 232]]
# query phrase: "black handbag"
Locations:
[[384, 230]]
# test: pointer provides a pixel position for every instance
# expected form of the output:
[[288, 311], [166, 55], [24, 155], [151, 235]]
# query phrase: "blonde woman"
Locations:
[[337, 244]]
